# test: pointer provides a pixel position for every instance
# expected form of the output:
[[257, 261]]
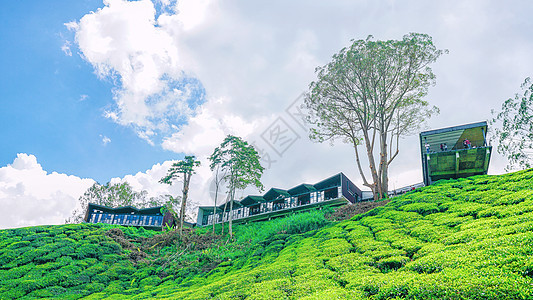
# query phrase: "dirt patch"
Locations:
[[349, 210], [135, 253], [141, 248]]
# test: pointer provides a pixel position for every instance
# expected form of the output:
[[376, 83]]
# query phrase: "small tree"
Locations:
[[170, 206], [515, 137], [183, 168], [240, 163], [371, 94]]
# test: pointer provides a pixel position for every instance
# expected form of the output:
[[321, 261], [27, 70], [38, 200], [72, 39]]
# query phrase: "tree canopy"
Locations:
[[239, 161], [371, 94], [113, 195], [515, 137], [185, 169]]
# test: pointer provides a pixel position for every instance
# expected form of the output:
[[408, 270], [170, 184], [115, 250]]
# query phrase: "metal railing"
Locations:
[[126, 219], [281, 204]]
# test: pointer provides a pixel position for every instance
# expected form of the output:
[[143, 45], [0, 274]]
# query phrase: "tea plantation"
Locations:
[[459, 239]]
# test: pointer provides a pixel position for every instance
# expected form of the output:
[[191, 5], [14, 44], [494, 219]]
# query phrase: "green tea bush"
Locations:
[[390, 263], [457, 239], [421, 208], [334, 247], [149, 282], [402, 216]]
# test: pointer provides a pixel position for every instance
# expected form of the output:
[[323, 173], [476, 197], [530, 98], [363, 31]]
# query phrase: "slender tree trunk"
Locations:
[[223, 212], [215, 209], [232, 193], [384, 165], [375, 186], [216, 197], [186, 179]]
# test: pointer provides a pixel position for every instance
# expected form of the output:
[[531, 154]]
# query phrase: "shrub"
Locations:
[[392, 263], [150, 281], [421, 208]]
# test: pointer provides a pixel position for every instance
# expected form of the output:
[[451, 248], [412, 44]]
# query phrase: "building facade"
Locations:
[[455, 152], [149, 218], [333, 191]]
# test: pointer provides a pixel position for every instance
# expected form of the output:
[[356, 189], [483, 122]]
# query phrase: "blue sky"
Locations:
[[44, 110], [113, 90]]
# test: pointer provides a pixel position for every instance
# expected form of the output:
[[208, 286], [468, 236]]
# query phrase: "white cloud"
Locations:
[[125, 40], [105, 140], [208, 128], [66, 48], [72, 26], [30, 196], [192, 12], [149, 181], [84, 97]]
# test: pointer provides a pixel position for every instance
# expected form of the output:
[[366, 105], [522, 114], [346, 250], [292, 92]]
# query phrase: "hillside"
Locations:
[[459, 239]]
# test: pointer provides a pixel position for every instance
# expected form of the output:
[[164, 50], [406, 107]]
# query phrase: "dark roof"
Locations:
[[236, 204], [249, 200], [332, 181], [275, 193], [454, 128], [126, 209], [209, 208], [301, 189]]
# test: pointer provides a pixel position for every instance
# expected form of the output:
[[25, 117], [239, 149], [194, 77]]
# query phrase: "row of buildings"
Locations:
[[456, 160]]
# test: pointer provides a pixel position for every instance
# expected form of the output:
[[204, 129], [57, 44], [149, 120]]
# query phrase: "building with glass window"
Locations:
[[455, 152], [149, 218], [333, 191]]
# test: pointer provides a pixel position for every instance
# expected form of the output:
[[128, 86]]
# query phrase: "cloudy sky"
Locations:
[[113, 90]]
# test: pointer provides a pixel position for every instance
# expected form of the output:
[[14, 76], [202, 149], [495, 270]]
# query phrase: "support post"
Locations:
[[457, 163]]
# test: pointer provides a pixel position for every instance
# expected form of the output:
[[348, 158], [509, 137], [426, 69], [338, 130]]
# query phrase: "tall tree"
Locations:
[[371, 94], [515, 137], [218, 180], [111, 195], [240, 163], [184, 168]]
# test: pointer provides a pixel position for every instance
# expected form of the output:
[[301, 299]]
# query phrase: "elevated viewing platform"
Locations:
[[454, 152], [333, 191]]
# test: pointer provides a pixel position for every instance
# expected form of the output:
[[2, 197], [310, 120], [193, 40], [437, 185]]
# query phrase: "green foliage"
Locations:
[[370, 92], [112, 195], [184, 168], [240, 164], [515, 137], [239, 161]]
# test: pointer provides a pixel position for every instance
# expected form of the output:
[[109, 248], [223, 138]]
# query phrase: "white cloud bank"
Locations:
[[30, 196], [127, 42]]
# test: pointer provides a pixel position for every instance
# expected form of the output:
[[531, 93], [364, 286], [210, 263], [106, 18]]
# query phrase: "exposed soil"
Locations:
[[140, 248], [349, 210]]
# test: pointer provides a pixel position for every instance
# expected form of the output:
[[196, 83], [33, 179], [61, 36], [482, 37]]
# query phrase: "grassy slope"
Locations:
[[460, 239]]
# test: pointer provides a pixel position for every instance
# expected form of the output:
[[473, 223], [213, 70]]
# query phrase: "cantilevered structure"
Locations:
[[149, 218], [333, 191], [454, 152]]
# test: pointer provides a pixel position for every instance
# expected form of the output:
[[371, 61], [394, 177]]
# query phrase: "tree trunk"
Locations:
[[376, 186], [231, 212], [223, 212], [384, 166], [216, 197], [186, 179]]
